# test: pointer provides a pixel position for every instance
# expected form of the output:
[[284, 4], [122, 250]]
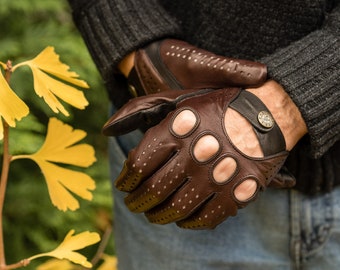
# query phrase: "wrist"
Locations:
[[284, 111], [126, 64]]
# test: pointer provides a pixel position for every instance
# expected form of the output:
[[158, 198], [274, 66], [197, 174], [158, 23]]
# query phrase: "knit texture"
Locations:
[[298, 40], [308, 69], [112, 29], [312, 81]]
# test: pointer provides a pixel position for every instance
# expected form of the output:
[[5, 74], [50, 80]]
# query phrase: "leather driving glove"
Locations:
[[172, 64], [164, 176]]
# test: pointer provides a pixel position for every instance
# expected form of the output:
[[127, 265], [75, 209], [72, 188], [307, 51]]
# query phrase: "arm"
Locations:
[[113, 28], [308, 70], [285, 112]]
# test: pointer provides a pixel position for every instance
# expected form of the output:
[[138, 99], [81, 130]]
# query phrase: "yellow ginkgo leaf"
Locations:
[[110, 263], [62, 182], [44, 65], [49, 62], [11, 106], [71, 243], [55, 264], [59, 146], [4, 66]]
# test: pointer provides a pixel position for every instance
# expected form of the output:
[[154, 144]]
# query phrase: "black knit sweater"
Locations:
[[297, 39]]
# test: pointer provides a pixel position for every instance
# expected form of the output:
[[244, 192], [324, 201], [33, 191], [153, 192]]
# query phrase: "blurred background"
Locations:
[[31, 224]]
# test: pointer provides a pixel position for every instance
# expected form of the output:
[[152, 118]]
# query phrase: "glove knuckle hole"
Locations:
[[184, 122], [246, 190], [224, 169], [205, 148]]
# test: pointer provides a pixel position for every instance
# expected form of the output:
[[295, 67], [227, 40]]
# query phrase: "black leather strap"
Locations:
[[268, 132], [153, 52]]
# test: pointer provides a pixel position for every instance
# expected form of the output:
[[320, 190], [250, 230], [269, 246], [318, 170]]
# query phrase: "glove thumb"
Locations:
[[146, 111]]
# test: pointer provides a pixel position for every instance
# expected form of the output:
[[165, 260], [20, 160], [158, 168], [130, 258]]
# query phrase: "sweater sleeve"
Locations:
[[113, 28], [308, 70]]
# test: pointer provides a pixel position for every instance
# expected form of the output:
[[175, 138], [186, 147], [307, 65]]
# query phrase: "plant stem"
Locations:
[[4, 175], [102, 246], [22, 263]]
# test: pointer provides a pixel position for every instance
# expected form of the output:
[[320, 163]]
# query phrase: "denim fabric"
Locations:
[[283, 229]]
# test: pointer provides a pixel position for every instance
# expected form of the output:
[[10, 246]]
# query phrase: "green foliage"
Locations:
[[32, 224]]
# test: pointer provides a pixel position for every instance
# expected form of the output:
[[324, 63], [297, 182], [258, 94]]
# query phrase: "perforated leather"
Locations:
[[175, 64], [167, 181]]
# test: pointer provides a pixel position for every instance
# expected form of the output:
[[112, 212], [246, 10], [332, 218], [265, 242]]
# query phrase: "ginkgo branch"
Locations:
[[102, 246], [22, 263], [52, 80], [4, 173], [3, 184]]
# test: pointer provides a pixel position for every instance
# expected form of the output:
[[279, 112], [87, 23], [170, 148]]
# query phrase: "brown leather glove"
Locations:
[[175, 64], [166, 179]]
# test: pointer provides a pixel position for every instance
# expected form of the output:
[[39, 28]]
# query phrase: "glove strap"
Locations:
[[268, 132], [149, 74], [134, 84]]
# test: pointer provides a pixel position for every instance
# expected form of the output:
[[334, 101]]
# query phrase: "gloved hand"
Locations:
[[173, 177], [174, 64]]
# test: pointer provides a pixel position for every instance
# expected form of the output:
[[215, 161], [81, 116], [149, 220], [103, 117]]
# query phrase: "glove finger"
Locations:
[[175, 64], [158, 187], [146, 111], [210, 214], [197, 68], [188, 198], [143, 161]]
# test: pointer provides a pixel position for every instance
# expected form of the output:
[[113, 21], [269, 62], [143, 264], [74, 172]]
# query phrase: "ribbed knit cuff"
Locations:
[[111, 28], [309, 72]]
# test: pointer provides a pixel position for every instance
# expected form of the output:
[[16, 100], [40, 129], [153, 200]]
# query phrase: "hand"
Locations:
[[174, 64], [218, 176]]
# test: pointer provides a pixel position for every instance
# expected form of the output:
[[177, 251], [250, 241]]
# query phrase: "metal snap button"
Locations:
[[132, 90], [265, 119]]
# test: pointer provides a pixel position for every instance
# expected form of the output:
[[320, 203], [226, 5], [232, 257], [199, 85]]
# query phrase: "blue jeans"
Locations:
[[282, 229]]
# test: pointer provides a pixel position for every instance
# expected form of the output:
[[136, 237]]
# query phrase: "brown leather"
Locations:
[[174, 64], [148, 110], [167, 182]]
